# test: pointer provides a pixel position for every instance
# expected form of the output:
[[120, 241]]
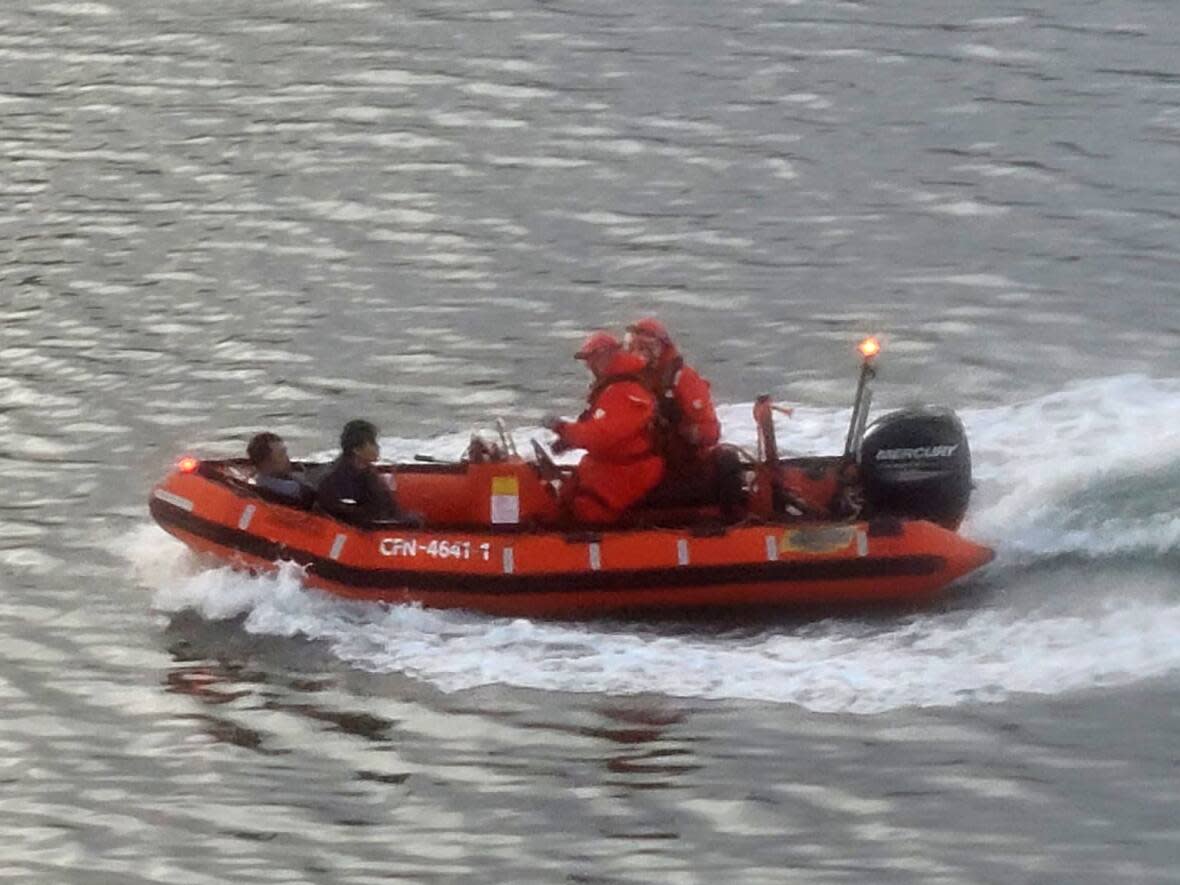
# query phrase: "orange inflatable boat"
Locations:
[[874, 525]]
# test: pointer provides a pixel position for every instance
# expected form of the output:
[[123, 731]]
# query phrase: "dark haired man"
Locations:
[[273, 470], [353, 490]]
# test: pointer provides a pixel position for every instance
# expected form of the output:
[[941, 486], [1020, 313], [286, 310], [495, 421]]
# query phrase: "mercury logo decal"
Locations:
[[916, 453]]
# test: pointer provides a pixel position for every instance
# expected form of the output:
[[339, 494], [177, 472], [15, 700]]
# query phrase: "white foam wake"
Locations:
[[1093, 470]]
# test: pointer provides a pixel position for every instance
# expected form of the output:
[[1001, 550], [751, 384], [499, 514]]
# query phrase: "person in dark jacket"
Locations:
[[274, 472], [352, 490]]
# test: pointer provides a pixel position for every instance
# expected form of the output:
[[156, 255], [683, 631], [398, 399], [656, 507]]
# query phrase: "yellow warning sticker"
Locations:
[[505, 485], [505, 500]]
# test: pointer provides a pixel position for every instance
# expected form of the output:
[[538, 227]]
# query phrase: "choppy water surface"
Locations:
[[224, 216]]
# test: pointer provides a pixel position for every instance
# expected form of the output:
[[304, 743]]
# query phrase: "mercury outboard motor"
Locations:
[[916, 463]]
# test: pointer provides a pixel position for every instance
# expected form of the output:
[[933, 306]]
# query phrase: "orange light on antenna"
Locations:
[[870, 347], [188, 464]]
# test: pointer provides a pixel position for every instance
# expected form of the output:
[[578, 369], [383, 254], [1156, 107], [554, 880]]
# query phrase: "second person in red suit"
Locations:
[[687, 419], [698, 469]]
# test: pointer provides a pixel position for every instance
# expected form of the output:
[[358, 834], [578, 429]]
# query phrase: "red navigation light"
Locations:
[[188, 464], [870, 347]]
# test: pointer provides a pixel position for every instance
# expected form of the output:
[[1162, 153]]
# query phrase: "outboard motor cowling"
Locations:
[[916, 463]]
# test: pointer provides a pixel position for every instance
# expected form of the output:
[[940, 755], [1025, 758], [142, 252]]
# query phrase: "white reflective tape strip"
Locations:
[[862, 543], [175, 500], [247, 515], [595, 557], [337, 546], [509, 561], [682, 551], [771, 548]]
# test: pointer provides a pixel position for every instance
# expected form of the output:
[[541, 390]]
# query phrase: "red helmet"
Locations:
[[597, 342], [652, 328]]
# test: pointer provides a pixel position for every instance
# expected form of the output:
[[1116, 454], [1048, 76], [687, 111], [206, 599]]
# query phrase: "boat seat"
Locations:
[[722, 487]]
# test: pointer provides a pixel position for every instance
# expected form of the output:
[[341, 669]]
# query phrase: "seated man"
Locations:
[[274, 471], [620, 465], [687, 418], [352, 490], [698, 469]]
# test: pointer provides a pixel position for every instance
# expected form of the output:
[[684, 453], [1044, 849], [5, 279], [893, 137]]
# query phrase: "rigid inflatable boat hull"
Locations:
[[550, 573]]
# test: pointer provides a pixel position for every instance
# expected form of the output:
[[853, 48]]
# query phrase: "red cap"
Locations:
[[651, 327], [596, 343]]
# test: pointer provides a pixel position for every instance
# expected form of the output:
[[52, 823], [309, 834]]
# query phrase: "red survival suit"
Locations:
[[620, 465], [687, 418]]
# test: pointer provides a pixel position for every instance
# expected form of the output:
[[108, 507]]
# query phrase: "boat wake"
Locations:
[[1090, 472], [1075, 490]]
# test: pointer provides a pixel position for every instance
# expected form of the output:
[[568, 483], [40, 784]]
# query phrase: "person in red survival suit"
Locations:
[[699, 471], [620, 465], [688, 421]]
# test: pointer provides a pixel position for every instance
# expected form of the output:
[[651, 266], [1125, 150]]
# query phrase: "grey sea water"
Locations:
[[224, 216]]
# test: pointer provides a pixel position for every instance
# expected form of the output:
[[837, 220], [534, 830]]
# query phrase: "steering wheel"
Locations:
[[546, 466]]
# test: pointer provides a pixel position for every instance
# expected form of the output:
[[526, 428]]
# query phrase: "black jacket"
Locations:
[[355, 495]]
